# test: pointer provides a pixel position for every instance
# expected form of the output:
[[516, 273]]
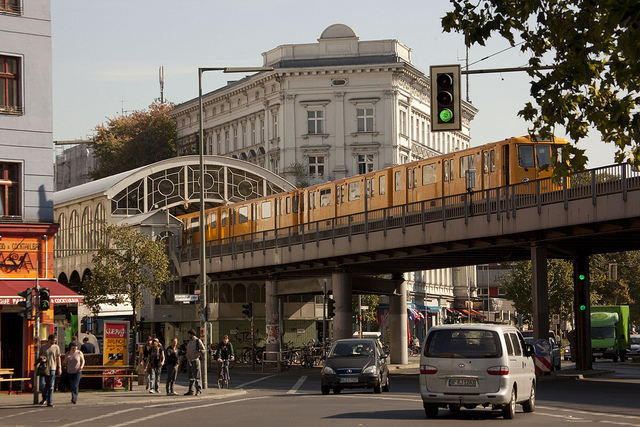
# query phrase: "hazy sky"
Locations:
[[106, 54]]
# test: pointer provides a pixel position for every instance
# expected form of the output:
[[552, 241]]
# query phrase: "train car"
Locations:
[[492, 165]]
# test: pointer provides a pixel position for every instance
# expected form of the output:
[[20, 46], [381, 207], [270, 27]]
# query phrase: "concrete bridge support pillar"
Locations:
[[398, 323], [540, 290], [272, 318], [342, 290]]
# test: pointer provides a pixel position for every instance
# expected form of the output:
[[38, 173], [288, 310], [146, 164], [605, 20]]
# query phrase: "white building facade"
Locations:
[[331, 109]]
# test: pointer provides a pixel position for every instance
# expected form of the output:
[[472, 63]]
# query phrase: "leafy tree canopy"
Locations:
[[622, 290], [596, 76], [369, 314], [128, 264], [137, 139]]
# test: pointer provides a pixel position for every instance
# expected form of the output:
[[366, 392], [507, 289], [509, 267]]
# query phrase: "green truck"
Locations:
[[610, 332]]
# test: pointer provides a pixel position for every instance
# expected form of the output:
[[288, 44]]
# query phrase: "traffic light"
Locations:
[[446, 108], [27, 294], [613, 271], [248, 310], [45, 304], [582, 296], [331, 308]]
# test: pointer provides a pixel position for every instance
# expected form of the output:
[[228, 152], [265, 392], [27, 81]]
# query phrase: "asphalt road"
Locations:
[[293, 398]]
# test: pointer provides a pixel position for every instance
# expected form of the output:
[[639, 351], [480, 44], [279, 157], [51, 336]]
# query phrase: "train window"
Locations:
[[467, 163], [409, 177], [223, 220], [415, 177], [212, 221], [382, 185], [265, 209], [288, 205], [452, 173], [325, 197], [195, 224], [492, 160], [296, 200], [429, 174], [342, 194], [398, 177], [445, 171], [243, 214], [525, 156], [543, 155], [485, 161], [354, 191]]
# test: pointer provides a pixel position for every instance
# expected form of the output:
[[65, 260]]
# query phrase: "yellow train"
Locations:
[[492, 165]]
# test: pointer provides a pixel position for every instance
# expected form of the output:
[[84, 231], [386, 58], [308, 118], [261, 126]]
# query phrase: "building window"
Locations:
[[365, 163], [226, 142], [10, 100], [244, 136], [219, 143], [10, 6], [316, 167], [275, 125], [235, 138], [315, 121], [261, 130], [365, 119], [10, 189], [253, 133], [403, 122]]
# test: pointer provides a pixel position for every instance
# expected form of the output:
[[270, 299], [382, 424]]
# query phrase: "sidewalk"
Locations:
[[139, 395]]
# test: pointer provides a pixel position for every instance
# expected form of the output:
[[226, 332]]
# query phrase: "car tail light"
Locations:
[[428, 370], [498, 370]]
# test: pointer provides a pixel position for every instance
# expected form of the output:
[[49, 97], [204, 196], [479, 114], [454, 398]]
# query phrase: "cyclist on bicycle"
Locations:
[[224, 352]]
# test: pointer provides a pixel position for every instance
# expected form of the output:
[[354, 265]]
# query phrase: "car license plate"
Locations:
[[598, 354], [349, 380], [460, 382]]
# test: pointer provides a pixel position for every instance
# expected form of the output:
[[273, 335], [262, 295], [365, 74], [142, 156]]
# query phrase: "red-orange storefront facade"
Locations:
[[26, 261]]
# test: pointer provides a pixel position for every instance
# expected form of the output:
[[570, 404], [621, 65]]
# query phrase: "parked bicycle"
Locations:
[[224, 379]]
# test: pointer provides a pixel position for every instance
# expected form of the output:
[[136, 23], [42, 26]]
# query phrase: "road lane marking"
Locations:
[[297, 385], [111, 414], [173, 411], [241, 386]]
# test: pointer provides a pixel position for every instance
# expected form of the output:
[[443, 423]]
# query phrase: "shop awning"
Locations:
[[60, 294]]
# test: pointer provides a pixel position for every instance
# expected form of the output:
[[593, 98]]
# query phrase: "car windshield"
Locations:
[[463, 343], [352, 349], [635, 340]]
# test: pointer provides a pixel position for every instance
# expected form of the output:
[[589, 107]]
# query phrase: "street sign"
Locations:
[[556, 319], [185, 298]]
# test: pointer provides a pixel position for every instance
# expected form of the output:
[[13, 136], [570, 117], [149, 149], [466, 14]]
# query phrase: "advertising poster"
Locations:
[[116, 343]]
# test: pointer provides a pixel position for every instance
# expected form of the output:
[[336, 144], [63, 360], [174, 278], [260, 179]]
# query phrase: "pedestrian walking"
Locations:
[[74, 362], [51, 352], [87, 347], [155, 360], [143, 362], [171, 357], [195, 349]]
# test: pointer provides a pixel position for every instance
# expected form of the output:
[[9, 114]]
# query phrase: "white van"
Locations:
[[466, 365]]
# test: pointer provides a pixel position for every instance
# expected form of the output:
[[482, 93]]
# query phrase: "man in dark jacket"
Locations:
[[171, 357], [224, 352]]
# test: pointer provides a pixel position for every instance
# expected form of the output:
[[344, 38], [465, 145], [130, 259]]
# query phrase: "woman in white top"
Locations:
[[75, 363]]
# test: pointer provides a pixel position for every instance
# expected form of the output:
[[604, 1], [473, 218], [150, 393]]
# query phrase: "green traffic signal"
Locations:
[[583, 307], [445, 115], [581, 276]]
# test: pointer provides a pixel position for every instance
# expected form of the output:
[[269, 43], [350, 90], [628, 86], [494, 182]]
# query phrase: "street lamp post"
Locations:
[[203, 249]]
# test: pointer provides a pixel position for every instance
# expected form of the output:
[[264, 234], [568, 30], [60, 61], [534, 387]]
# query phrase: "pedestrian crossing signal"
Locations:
[[45, 303]]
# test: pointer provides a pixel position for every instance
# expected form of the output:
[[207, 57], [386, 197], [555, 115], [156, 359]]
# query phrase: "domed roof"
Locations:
[[338, 31]]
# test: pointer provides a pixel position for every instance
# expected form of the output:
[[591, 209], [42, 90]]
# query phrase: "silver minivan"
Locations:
[[466, 365]]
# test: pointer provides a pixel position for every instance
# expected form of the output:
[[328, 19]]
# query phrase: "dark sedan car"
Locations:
[[355, 363]]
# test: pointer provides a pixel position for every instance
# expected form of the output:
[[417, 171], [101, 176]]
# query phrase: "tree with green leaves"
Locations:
[[127, 264], [603, 289], [369, 314], [518, 287], [300, 173], [133, 140], [595, 80]]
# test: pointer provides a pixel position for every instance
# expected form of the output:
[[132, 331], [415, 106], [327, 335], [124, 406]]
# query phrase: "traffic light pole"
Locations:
[[36, 378]]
